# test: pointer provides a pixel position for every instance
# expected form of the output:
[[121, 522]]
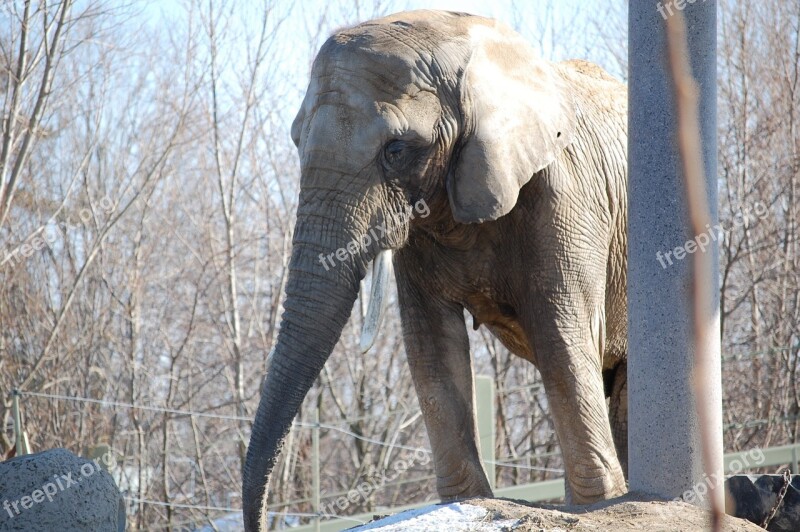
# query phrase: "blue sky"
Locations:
[[558, 29]]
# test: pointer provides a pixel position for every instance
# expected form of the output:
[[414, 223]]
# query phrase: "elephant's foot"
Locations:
[[587, 485], [467, 481]]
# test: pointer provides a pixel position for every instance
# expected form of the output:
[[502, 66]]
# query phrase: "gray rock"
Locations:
[[56, 490]]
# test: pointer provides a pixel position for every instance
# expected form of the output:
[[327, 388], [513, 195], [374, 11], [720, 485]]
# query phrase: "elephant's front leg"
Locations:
[[567, 326], [571, 375], [438, 354]]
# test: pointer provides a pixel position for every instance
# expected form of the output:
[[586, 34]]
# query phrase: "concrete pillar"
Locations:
[[665, 456]]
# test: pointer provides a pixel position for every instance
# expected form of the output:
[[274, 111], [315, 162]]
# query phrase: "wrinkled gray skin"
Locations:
[[523, 166]]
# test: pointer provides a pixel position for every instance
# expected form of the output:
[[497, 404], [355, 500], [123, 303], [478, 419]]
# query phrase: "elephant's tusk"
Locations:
[[381, 268]]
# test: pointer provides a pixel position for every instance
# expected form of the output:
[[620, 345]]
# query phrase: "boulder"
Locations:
[[56, 490], [752, 497]]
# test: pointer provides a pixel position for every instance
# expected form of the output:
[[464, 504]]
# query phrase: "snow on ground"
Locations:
[[451, 517]]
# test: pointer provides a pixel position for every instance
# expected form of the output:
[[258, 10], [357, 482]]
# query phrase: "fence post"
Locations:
[[315, 469], [20, 447], [484, 399]]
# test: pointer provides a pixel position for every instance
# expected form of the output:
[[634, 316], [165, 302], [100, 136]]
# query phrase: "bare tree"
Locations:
[[149, 188], [759, 165]]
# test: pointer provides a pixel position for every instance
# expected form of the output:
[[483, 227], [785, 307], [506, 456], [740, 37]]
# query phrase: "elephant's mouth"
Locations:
[[381, 269]]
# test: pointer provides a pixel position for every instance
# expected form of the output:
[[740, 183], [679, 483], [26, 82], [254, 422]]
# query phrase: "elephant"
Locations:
[[521, 165]]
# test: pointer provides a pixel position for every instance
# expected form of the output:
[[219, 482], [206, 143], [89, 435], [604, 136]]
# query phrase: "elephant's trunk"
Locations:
[[318, 303]]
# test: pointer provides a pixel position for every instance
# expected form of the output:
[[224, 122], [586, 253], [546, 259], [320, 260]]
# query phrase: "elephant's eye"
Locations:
[[393, 152]]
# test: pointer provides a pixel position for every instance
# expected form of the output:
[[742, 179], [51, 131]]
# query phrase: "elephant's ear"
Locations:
[[519, 115]]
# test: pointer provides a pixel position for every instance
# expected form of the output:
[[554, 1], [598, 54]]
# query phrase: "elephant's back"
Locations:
[[602, 104], [592, 85]]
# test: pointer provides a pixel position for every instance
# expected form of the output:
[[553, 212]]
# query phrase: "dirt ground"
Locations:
[[625, 513]]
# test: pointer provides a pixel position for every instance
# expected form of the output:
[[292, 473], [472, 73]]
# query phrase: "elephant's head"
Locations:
[[414, 111]]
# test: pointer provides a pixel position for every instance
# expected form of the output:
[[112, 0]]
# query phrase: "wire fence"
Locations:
[[227, 417], [334, 426], [297, 424]]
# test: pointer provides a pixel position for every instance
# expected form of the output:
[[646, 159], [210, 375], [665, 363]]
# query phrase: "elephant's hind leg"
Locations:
[[618, 412]]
